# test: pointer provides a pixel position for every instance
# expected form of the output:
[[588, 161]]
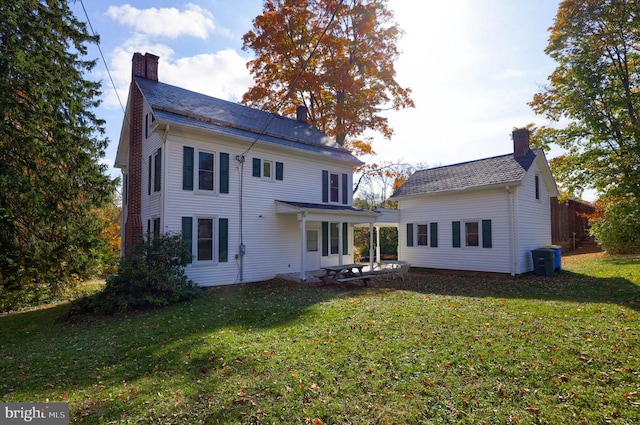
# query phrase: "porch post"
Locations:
[[303, 244], [378, 258], [371, 246], [340, 260]]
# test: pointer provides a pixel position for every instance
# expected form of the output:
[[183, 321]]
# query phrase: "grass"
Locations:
[[438, 348]]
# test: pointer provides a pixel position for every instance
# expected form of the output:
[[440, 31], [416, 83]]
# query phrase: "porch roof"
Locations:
[[327, 212]]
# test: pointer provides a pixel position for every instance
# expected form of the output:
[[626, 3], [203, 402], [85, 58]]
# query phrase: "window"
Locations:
[[335, 238], [205, 239], [155, 172], [422, 234], [267, 170], [312, 241], [334, 187], [205, 171], [205, 249], [471, 237], [537, 183]]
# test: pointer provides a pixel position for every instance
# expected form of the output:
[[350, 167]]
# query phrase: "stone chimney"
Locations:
[[520, 142], [302, 113], [145, 66]]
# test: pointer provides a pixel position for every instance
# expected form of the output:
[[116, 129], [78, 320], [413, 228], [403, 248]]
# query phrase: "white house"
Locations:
[[484, 215], [255, 194]]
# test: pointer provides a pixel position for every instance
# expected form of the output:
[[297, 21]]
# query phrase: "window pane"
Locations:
[[471, 233], [334, 237], [334, 188], [312, 241], [266, 169], [422, 234], [205, 171], [205, 239]]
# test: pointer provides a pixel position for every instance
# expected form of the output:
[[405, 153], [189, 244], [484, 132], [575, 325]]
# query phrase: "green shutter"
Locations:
[[409, 234], [256, 167], [157, 177], [223, 240], [345, 238], [279, 171], [486, 234], [150, 175], [187, 168], [224, 173], [325, 238], [187, 233], [434, 234], [325, 186], [455, 230], [345, 189]]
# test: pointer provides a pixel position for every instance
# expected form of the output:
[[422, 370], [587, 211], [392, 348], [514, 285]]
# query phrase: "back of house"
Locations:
[[254, 194]]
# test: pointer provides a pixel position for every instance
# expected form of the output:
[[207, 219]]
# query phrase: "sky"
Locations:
[[472, 66]]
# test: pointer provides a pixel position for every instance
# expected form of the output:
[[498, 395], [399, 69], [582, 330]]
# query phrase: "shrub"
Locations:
[[616, 225], [152, 275]]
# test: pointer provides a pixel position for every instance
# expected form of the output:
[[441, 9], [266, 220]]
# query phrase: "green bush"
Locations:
[[617, 226], [152, 275]]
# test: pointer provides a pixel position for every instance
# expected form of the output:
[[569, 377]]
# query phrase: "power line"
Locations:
[[103, 59], [293, 84]]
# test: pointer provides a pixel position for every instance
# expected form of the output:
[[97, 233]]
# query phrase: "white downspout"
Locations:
[[378, 256], [340, 252], [513, 234], [165, 162], [303, 245], [371, 247]]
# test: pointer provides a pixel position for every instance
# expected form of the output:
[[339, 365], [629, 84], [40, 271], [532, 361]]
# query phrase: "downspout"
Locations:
[[303, 244], [512, 230], [165, 161]]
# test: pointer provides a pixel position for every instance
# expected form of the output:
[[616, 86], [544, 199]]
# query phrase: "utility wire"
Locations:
[[293, 84], [103, 59]]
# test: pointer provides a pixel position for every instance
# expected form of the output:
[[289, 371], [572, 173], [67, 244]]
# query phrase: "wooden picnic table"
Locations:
[[345, 273]]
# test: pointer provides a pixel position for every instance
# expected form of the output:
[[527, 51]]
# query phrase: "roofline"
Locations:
[[513, 183]]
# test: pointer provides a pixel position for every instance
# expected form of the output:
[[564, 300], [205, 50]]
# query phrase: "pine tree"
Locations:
[[51, 143]]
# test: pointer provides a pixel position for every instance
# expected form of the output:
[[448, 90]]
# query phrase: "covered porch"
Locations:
[[325, 239]]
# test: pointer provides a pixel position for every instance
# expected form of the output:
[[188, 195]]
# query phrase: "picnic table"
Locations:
[[345, 273]]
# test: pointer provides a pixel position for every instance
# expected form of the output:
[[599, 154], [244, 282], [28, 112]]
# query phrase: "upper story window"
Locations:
[[155, 172], [206, 180], [335, 187], [265, 169], [206, 171]]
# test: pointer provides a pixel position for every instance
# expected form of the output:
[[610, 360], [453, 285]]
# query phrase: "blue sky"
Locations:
[[472, 66]]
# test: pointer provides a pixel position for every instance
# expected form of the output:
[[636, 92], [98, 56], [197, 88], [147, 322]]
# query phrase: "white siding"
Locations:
[[534, 217], [272, 241], [444, 209]]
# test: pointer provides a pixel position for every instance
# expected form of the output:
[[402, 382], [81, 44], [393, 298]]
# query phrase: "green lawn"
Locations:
[[438, 348]]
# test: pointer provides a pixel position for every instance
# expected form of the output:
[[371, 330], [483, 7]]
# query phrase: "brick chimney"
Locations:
[[302, 113], [147, 67], [520, 142]]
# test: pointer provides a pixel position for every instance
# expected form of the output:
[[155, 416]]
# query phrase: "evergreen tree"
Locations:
[[51, 143]]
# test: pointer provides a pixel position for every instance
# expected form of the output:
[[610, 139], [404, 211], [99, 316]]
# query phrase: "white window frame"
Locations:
[[478, 233], [417, 234], [196, 170], [214, 241], [267, 165]]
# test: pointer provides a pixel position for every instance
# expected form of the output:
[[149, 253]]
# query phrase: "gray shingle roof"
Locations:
[[467, 175], [184, 107]]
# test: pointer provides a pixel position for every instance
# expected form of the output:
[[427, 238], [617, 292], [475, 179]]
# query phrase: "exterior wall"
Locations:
[[533, 217], [444, 209], [151, 205], [272, 241]]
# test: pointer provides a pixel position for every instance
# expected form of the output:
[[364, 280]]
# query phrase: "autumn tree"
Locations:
[[333, 56], [595, 94], [51, 144]]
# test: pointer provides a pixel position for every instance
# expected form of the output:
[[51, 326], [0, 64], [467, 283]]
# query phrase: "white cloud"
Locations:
[[168, 22]]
